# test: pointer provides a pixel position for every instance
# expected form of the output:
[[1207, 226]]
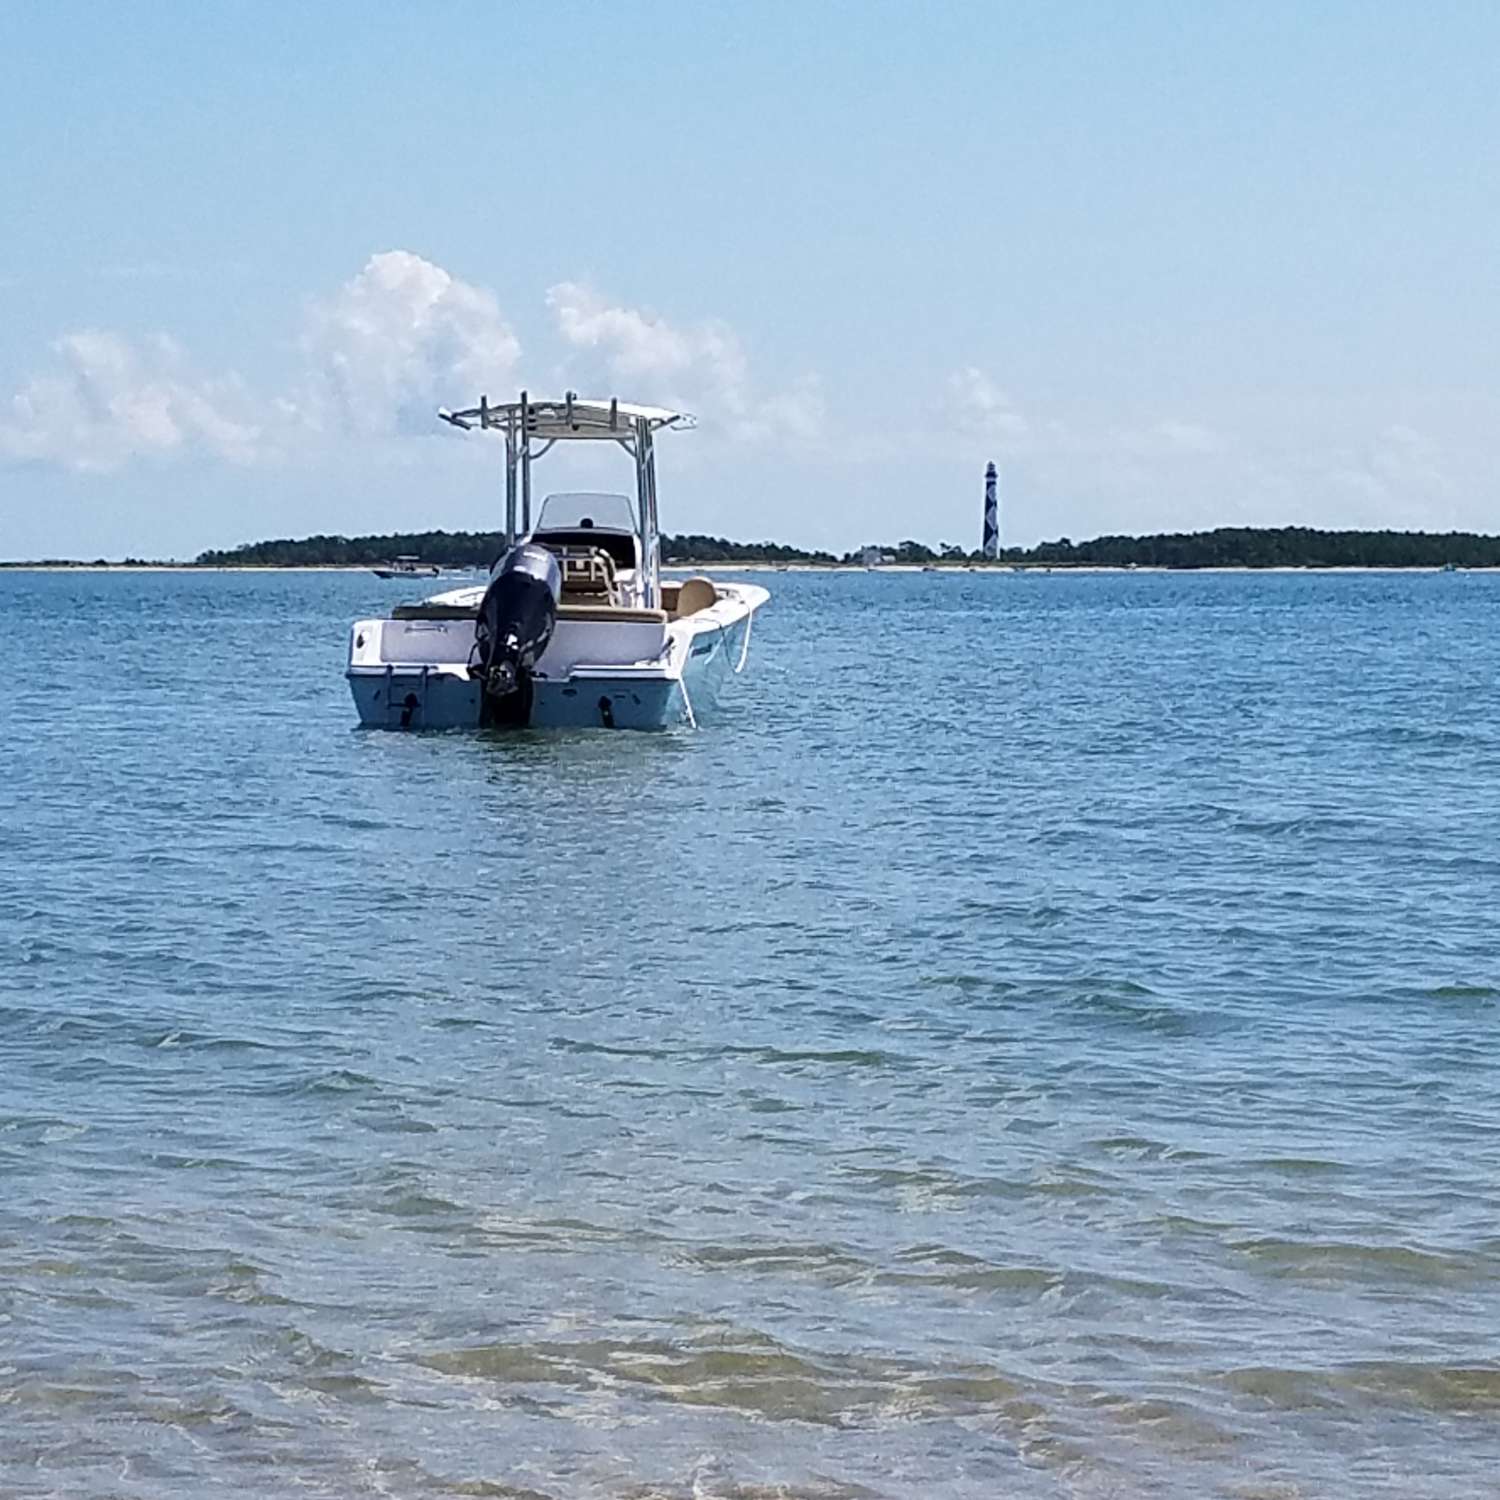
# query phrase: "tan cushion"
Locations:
[[435, 612], [611, 612], [695, 594], [564, 612]]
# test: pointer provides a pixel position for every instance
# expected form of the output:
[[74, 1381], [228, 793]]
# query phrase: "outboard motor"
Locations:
[[515, 623]]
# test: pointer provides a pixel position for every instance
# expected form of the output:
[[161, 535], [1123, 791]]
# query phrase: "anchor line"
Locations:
[[744, 645]]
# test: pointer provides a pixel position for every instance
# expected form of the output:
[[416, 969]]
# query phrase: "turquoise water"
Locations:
[[1039, 1042]]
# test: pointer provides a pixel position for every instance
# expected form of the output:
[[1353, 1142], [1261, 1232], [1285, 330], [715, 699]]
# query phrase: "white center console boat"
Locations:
[[576, 627]]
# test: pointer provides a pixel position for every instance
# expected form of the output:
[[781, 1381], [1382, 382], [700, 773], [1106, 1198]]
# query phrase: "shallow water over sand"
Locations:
[[1039, 1042]]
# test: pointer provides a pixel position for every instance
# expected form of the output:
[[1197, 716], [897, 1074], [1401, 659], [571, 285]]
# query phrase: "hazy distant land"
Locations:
[[1225, 547], [1232, 547]]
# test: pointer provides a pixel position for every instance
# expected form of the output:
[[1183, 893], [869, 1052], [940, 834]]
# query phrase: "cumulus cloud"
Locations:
[[380, 354], [979, 408], [638, 344], [403, 336], [110, 401], [699, 367], [392, 344], [1381, 476], [400, 339]]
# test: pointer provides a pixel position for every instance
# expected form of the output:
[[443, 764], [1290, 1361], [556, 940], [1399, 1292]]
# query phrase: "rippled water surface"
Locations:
[[1039, 1042]]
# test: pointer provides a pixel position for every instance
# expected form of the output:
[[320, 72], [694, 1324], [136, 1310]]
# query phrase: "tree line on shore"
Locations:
[[1273, 547], [471, 549], [1225, 547]]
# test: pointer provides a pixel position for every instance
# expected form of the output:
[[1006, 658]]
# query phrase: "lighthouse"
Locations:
[[991, 546]]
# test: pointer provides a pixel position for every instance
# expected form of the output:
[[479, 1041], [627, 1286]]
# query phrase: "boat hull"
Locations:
[[683, 687]]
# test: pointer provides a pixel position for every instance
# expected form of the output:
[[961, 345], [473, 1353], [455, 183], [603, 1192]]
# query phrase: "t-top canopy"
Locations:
[[572, 417]]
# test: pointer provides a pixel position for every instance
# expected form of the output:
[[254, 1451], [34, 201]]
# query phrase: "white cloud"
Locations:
[[400, 339], [638, 344], [979, 408], [699, 367], [403, 335], [396, 341], [1385, 478], [112, 401], [393, 343], [800, 411], [1168, 439]]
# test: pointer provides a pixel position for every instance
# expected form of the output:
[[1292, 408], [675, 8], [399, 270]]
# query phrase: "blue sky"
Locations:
[[1173, 265]]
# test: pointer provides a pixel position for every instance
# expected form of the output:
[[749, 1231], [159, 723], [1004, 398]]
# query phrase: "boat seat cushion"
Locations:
[[617, 613], [695, 594], [435, 612], [564, 612]]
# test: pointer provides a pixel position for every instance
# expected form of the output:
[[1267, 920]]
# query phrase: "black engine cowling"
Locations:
[[515, 623]]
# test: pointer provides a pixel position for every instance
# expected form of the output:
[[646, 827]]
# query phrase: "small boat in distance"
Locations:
[[407, 567], [575, 627]]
